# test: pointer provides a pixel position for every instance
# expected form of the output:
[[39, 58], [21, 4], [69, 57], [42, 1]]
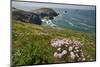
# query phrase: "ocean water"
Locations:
[[76, 19], [79, 18]]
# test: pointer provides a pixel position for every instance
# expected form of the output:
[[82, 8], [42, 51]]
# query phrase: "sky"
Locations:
[[30, 5]]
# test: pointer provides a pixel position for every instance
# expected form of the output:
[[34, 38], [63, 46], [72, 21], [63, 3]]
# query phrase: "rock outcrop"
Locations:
[[26, 17], [35, 16], [45, 13]]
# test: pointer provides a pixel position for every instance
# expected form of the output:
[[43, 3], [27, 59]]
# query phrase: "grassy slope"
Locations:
[[31, 43]]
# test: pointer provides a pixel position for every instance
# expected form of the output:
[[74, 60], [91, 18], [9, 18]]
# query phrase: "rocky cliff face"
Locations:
[[26, 17], [45, 12], [34, 16]]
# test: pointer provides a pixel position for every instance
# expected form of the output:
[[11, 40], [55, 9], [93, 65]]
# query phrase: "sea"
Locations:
[[76, 19]]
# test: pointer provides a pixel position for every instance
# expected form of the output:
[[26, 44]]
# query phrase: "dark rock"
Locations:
[[27, 17], [35, 19], [45, 12], [34, 16]]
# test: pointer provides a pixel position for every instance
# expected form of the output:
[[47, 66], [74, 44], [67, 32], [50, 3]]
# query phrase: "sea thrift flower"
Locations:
[[59, 45], [76, 55], [66, 45], [64, 52], [70, 42], [59, 49], [66, 42], [70, 48], [56, 54], [72, 55], [76, 48], [56, 44], [61, 42], [74, 51]]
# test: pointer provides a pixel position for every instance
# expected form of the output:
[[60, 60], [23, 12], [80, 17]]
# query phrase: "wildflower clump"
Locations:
[[68, 48]]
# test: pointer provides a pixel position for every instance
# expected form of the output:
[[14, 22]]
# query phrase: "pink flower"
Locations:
[[70, 48], [70, 41], [72, 55], [73, 47], [66, 42], [61, 42], [56, 44], [66, 45], [56, 54], [59, 49], [64, 52], [76, 48], [77, 55], [59, 45]]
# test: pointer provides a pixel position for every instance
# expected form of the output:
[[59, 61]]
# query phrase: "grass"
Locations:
[[31, 43]]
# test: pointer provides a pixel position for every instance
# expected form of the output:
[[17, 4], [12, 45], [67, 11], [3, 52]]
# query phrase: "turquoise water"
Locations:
[[80, 20]]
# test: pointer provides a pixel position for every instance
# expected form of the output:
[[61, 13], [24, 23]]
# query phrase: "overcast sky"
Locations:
[[30, 5]]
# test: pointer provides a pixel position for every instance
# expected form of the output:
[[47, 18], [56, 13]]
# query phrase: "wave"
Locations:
[[71, 23], [48, 23], [75, 20], [90, 26]]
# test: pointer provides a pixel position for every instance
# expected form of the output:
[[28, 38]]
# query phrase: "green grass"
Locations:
[[31, 43]]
